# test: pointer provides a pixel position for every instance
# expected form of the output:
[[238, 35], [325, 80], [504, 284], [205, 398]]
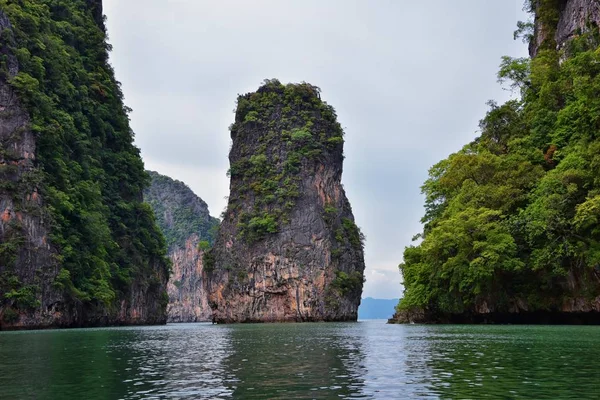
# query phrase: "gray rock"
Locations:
[[309, 269], [575, 17]]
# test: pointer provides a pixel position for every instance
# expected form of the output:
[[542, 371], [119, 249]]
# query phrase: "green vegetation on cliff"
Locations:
[[179, 212], [513, 219], [88, 171], [301, 129], [288, 248]]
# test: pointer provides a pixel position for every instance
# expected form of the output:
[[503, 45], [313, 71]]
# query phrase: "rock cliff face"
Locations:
[[34, 256], [188, 228], [558, 21], [288, 248], [67, 218], [188, 300]]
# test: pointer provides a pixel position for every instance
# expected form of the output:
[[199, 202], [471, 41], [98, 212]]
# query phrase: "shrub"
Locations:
[[353, 233], [204, 245], [301, 135], [335, 141], [208, 262], [345, 283]]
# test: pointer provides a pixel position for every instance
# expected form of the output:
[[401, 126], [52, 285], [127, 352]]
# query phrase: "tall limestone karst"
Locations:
[[188, 229], [512, 223], [77, 245], [288, 248]]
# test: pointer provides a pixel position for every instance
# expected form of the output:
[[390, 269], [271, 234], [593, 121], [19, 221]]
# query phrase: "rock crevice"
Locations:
[[188, 228]]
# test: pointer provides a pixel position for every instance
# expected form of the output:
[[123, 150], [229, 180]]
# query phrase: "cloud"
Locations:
[[382, 282]]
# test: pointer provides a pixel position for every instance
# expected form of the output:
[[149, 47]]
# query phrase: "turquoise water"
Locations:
[[369, 360]]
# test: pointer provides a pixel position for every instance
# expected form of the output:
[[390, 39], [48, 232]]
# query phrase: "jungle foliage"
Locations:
[[301, 132], [88, 171], [514, 216], [179, 212]]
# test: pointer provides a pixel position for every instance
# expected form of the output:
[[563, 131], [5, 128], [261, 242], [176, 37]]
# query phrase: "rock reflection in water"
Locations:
[[295, 361]]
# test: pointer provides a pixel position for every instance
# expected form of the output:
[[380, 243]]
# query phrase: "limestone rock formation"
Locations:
[[556, 25], [77, 245], [17, 159], [540, 270], [185, 221], [288, 248], [188, 301]]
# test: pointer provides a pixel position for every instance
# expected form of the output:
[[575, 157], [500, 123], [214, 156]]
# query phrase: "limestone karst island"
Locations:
[[179, 249]]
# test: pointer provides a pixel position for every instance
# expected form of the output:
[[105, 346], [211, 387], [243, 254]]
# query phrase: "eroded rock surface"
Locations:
[[572, 18], [185, 221], [34, 258], [64, 135], [288, 248]]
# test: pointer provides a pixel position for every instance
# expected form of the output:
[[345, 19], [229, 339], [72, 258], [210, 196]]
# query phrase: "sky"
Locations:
[[409, 80]]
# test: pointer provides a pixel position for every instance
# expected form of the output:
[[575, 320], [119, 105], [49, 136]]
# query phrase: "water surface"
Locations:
[[369, 360]]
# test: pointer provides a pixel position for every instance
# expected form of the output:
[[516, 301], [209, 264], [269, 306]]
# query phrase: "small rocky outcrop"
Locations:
[[288, 248], [188, 228]]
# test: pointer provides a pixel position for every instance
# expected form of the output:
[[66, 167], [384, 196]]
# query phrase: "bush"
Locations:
[[208, 262], [204, 245], [10, 315], [335, 141], [353, 233], [254, 228], [301, 135], [345, 283], [24, 297]]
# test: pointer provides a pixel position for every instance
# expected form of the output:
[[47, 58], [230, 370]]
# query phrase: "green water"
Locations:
[[287, 361]]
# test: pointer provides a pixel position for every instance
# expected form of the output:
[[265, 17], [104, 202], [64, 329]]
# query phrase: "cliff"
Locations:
[[288, 248], [559, 21], [512, 224], [188, 228], [77, 245]]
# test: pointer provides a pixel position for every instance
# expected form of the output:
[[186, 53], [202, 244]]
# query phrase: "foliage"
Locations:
[[514, 216], [204, 245], [25, 297], [255, 227], [10, 315], [525, 30], [346, 283], [179, 212], [208, 261], [280, 133], [353, 233], [88, 171]]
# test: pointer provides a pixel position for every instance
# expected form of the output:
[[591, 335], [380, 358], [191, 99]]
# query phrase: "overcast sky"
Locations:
[[409, 81]]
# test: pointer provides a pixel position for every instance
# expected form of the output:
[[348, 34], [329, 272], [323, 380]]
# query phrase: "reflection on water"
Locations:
[[536, 362], [291, 361], [294, 361]]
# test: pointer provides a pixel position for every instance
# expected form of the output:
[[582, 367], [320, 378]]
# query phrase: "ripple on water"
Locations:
[[302, 361]]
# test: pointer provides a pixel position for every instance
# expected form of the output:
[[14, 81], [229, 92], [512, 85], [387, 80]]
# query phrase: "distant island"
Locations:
[[371, 308]]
